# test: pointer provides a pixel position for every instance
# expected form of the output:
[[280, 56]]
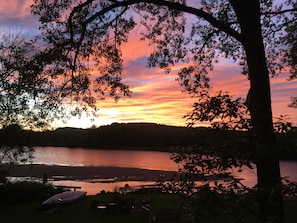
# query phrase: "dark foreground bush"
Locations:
[[25, 191]]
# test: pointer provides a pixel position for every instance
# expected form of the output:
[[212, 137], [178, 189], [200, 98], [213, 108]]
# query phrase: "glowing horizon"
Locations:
[[156, 98]]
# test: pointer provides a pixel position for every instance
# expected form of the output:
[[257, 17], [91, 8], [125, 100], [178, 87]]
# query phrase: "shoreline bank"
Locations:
[[83, 173]]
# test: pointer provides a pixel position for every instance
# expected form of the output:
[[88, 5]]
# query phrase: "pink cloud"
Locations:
[[17, 15], [156, 97]]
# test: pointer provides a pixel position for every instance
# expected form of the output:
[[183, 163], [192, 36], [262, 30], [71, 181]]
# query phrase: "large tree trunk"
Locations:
[[259, 104]]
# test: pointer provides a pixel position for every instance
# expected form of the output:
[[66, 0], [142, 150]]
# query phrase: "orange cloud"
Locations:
[[156, 97]]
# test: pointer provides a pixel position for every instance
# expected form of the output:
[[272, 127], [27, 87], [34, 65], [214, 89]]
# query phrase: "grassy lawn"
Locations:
[[80, 212], [77, 212], [24, 210]]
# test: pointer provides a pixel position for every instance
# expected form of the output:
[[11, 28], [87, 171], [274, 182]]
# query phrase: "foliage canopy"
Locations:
[[179, 32], [187, 34]]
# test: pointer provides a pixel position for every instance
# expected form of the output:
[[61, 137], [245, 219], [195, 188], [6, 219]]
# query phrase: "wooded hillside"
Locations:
[[150, 136], [120, 135]]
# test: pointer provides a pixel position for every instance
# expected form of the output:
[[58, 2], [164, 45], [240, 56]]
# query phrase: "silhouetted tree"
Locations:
[[17, 105], [27, 94], [291, 38], [292, 56], [12, 149], [188, 33], [228, 149], [37, 84]]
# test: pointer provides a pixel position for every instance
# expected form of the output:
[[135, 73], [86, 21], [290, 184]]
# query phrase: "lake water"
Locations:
[[151, 160]]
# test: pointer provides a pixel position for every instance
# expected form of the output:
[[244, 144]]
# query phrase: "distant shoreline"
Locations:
[[166, 149], [84, 173]]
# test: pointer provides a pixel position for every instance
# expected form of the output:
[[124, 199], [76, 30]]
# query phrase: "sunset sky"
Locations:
[[156, 97]]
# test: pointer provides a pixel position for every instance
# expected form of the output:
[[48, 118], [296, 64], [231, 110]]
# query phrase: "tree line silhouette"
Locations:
[[118, 135], [148, 136]]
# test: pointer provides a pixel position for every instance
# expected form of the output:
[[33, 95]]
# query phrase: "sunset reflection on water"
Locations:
[[151, 160]]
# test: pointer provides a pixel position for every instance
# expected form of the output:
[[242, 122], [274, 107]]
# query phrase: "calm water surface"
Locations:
[[151, 160], [90, 157]]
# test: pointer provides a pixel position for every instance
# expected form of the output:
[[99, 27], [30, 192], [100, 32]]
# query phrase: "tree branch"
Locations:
[[280, 12], [170, 5]]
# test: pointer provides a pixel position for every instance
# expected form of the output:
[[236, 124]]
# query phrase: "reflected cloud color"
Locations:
[[156, 97]]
